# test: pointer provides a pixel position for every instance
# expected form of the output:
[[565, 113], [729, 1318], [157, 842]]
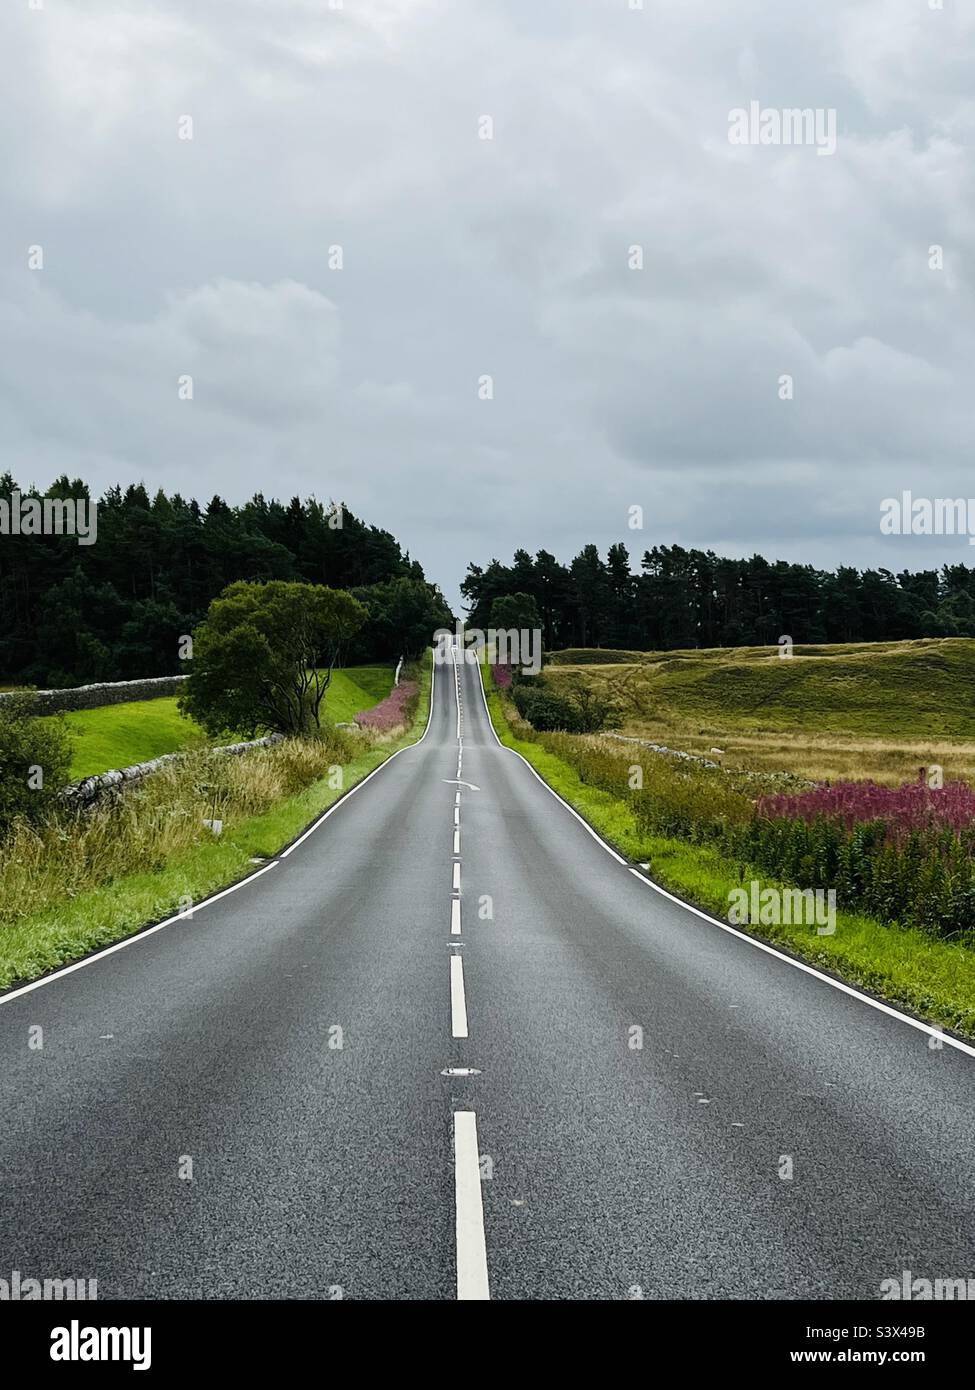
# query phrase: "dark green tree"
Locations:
[[264, 655]]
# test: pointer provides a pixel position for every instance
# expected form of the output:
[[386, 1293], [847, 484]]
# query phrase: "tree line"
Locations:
[[695, 598], [118, 609]]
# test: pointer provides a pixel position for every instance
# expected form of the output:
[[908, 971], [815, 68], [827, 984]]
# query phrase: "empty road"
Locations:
[[447, 1046]]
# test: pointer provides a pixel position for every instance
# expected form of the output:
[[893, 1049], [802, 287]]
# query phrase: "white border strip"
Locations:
[[571, 810], [472, 1270], [233, 888], [128, 940], [877, 1004], [359, 785]]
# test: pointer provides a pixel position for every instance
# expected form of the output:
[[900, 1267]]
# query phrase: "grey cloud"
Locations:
[[359, 127]]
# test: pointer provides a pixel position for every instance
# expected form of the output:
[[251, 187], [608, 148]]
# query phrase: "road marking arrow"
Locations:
[[456, 782]]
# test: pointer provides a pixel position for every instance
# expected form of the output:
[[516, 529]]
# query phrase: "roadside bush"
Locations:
[[543, 710], [516, 676], [690, 802], [503, 677], [582, 712], [676, 797], [35, 761], [913, 806], [592, 711]]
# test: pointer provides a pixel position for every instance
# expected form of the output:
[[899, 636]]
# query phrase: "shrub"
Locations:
[[519, 676], [35, 761], [543, 710], [676, 797], [592, 711], [582, 712]]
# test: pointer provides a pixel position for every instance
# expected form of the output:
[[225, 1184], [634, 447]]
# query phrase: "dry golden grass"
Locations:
[[818, 757]]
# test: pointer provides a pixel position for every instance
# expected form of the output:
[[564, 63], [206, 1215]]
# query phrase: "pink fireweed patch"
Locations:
[[391, 712], [502, 677], [914, 806]]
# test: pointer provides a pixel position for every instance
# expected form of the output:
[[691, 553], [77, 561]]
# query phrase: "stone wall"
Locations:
[[113, 693], [88, 791]]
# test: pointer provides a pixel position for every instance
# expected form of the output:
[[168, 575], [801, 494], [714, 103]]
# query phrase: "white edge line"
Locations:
[[458, 1001], [808, 969], [877, 1004], [472, 1270], [359, 785], [571, 810], [136, 936], [233, 888]]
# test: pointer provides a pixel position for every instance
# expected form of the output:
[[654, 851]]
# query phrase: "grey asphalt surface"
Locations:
[[607, 1169]]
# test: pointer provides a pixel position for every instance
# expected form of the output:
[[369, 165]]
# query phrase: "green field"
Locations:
[[878, 710], [120, 735]]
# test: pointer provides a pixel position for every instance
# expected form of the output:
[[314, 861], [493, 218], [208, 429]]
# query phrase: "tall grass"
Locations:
[[141, 828], [667, 796]]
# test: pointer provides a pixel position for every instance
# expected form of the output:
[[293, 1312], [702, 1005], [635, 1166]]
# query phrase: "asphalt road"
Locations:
[[569, 1163]]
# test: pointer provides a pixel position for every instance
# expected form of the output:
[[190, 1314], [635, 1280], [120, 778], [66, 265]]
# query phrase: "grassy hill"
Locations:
[[876, 709], [120, 735]]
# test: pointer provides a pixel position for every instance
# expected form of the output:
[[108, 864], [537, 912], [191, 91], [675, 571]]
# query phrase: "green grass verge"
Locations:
[[34, 945], [931, 978], [121, 735]]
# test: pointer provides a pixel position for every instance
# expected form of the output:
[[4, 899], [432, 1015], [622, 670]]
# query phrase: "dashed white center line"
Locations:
[[458, 1001], [472, 1271]]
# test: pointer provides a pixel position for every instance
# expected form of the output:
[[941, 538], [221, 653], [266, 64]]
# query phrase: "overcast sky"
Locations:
[[466, 257]]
